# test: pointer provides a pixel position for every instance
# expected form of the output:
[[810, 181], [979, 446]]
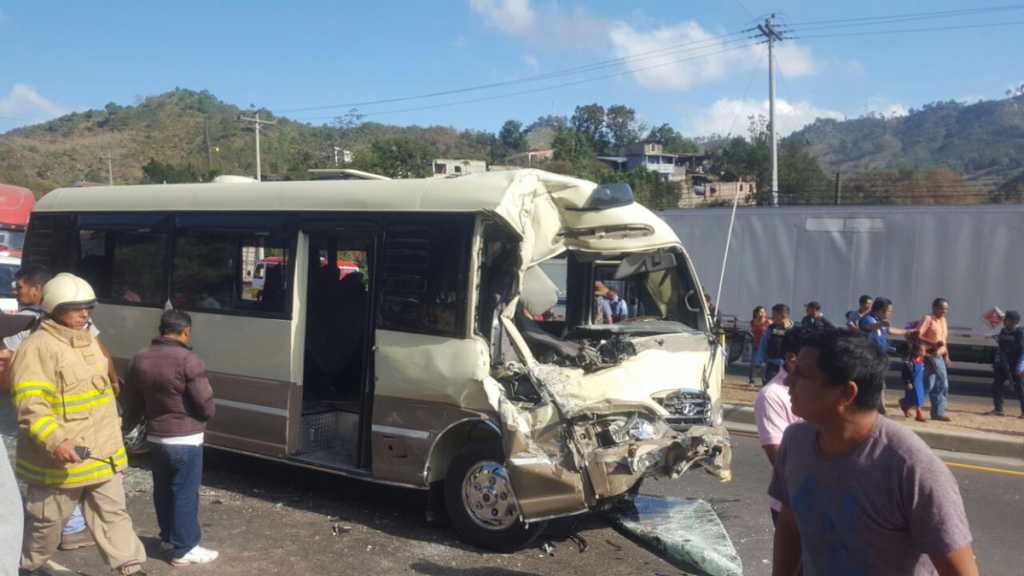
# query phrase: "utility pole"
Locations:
[[255, 119], [839, 190], [771, 36], [209, 153], [110, 167]]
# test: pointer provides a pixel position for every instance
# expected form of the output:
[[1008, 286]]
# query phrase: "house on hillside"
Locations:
[[649, 156], [702, 190], [448, 167], [530, 157]]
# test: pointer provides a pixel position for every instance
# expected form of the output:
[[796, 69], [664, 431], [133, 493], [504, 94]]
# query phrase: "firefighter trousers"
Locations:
[[106, 514]]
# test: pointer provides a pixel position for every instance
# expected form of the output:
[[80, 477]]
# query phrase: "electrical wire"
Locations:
[[561, 85], [709, 42], [873, 20]]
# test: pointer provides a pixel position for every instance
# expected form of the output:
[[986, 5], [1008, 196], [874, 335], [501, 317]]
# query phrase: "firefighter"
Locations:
[[69, 433]]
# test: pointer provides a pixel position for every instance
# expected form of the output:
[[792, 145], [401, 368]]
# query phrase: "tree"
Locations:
[[672, 141], [157, 172], [512, 137], [589, 121], [801, 179], [401, 157], [622, 126], [577, 150]]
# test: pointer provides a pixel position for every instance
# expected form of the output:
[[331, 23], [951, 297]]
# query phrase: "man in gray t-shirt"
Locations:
[[860, 494]]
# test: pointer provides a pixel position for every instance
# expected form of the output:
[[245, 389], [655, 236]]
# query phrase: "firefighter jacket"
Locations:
[[61, 391]]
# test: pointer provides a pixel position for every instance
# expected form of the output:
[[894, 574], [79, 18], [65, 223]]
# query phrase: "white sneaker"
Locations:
[[197, 555]]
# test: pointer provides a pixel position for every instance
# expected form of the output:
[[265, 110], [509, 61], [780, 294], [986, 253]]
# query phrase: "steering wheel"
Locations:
[[687, 301]]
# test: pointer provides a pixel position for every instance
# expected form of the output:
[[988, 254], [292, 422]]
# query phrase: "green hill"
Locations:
[[194, 135], [983, 142]]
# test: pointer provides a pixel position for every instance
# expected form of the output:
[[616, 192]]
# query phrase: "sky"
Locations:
[[688, 63]]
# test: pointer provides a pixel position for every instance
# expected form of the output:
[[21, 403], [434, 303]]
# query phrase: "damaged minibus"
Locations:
[[437, 361]]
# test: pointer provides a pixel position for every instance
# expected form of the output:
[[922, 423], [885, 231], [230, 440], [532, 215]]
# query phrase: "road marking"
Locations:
[[987, 469]]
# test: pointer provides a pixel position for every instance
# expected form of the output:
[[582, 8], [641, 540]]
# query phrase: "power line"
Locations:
[[709, 42], [544, 88], [799, 36], [871, 20]]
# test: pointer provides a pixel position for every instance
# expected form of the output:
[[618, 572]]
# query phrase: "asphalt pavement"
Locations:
[[275, 519]]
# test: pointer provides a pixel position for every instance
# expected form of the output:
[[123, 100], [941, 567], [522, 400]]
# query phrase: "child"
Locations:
[[769, 353], [913, 378], [758, 324]]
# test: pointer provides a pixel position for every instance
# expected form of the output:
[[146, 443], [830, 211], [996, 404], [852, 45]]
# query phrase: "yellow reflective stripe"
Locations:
[[34, 428], [83, 406], [67, 480], [77, 475], [34, 385], [70, 403], [43, 432], [69, 398], [46, 396]]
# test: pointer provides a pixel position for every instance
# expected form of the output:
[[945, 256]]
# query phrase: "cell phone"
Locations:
[[83, 452]]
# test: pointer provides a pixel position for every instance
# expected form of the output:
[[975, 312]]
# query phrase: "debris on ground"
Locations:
[[687, 533]]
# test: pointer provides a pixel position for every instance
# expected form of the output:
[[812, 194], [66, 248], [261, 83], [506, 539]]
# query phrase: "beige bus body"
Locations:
[[591, 434]]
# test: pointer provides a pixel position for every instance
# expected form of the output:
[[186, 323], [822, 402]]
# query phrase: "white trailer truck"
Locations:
[[972, 255]]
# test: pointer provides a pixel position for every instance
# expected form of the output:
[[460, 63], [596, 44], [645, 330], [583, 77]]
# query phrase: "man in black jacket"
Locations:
[[1009, 364], [168, 384]]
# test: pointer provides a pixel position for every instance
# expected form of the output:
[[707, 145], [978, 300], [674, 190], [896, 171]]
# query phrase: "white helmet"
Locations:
[[66, 289]]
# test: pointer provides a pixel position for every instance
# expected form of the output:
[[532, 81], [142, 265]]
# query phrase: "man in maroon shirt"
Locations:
[[168, 384]]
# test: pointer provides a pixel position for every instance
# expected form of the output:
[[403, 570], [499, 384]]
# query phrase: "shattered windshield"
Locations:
[[667, 297]]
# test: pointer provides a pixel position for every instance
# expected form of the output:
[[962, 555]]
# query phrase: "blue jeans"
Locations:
[[938, 385], [177, 471], [76, 523]]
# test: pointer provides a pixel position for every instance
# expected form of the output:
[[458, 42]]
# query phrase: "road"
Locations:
[[272, 518]]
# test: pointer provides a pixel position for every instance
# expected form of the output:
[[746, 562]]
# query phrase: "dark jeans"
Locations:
[[177, 471], [1000, 375], [770, 370]]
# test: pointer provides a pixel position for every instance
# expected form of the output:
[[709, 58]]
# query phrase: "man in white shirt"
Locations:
[[772, 409]]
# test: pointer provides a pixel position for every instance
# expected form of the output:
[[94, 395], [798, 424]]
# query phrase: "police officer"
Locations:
[[69, 433], [1009, 364]]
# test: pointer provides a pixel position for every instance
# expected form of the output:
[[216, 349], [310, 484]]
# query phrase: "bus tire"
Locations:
[[481, 505]]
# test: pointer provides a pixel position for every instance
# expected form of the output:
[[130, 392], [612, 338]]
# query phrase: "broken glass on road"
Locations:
[[686, 533]]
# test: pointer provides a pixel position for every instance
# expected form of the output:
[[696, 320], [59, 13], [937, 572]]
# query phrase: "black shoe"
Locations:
[[995, 412]]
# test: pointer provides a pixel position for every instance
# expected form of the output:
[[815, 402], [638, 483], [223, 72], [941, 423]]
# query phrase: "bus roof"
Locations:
[[471, 193], [15, 204]]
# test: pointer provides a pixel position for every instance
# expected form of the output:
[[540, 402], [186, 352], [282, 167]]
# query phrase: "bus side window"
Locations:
[[123, 265], [424, 277], [237, 271]]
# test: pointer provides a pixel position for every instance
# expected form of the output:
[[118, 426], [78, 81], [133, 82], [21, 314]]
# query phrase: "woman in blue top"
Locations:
[[876, 326]]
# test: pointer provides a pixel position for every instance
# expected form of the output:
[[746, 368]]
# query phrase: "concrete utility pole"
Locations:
[[255, 119], [110, 167], [771, 36]]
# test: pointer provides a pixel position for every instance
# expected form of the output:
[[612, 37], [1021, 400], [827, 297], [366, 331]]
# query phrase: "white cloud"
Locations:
[[730, 116], [548, 26], [686, 55], [513, 17], [24, 103], [677, 57]]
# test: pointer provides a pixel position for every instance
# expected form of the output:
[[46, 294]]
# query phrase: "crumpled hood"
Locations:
[[657, 370]]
